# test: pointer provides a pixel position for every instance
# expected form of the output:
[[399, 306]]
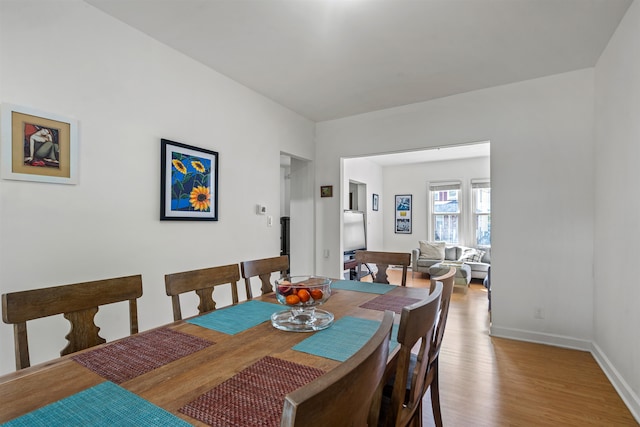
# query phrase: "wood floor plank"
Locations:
[[488, 381]]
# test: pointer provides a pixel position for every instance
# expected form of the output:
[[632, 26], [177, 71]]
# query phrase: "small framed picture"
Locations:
[[326, 191], [375, 202], [38, 146], [188, 183], [403, 214]]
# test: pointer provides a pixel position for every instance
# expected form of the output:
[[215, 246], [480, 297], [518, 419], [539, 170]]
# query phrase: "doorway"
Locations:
[[410, 173], [357, 196], [297, 213]]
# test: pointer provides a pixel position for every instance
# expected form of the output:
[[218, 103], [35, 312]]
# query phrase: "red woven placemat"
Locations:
[[141, 353], [252, 397], [389, 302]]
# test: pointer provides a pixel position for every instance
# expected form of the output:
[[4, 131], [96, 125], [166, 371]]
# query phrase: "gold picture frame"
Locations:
[[38, 146]]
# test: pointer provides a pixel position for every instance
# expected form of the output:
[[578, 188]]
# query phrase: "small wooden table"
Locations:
[[177, 383]]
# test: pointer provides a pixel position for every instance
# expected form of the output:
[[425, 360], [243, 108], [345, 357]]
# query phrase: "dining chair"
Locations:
[[78, 303], [431, 380], [383, 260], [417, 325], [262, 268], [344, 395], [203, 282]]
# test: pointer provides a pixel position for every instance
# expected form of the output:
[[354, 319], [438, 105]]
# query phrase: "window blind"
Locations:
[[444, 186], [480, 183]]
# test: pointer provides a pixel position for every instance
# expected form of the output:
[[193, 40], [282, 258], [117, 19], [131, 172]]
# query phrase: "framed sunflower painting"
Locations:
[[188, 183]]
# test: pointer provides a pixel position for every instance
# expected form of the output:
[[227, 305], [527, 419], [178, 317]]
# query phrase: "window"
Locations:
[[445, 211], [481, 190]]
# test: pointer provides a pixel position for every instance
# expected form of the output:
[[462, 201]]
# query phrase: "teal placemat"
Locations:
[[372, 288], [105, 405], [237, 318], [344, 338]]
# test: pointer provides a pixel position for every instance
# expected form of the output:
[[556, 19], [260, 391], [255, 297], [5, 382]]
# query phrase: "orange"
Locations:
[[316, 294], [304, 295], [292, 299]]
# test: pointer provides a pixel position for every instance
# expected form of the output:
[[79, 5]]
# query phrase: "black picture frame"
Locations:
[[403, 213], [326, 191], [188, 182], [375, 202]]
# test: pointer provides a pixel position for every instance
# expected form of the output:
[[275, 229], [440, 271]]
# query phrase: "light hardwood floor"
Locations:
[[486, 381]]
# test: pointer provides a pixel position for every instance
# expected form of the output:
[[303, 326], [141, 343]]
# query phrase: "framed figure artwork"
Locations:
[[38, 146], [403, 214], [375, 202], [188, 182]]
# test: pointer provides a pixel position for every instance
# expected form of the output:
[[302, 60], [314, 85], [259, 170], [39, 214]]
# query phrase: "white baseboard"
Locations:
[[630, 399], [541, 338]]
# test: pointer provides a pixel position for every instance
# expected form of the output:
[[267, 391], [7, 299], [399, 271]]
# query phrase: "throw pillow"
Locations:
[[432, 250], [472, 255], [450, 253]]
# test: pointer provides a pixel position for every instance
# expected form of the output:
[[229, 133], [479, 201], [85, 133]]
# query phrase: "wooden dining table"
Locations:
[[217, 360]]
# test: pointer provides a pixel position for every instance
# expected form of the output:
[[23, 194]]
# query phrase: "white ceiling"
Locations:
[[327, 59]]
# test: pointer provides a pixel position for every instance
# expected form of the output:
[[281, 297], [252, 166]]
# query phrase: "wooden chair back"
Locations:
[[203, 282], [263, 268], [383, 260], [431, 380], [342, 396], [78, 303], [447, 281], [417, 324]]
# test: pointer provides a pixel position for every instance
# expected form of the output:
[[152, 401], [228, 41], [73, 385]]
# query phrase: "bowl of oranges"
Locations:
[[301, 295]]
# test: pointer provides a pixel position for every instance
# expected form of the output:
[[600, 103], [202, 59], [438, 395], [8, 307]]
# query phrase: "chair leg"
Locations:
[[435, 395], [416, 421]]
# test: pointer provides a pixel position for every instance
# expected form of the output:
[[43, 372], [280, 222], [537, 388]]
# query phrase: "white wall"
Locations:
[[541, 134], [302, 254], [285, 190], [128, 91], [414, 179], [617, 228]]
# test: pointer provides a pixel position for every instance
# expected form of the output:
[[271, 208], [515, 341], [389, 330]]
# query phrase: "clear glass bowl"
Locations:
[[301, 295]]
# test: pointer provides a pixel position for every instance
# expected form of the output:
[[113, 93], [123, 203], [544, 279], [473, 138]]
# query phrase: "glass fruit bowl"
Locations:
[[301, 295]]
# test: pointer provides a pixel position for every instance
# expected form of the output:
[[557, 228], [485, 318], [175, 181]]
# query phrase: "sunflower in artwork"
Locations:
[[179, 166], [200, 198], [197, 165]]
